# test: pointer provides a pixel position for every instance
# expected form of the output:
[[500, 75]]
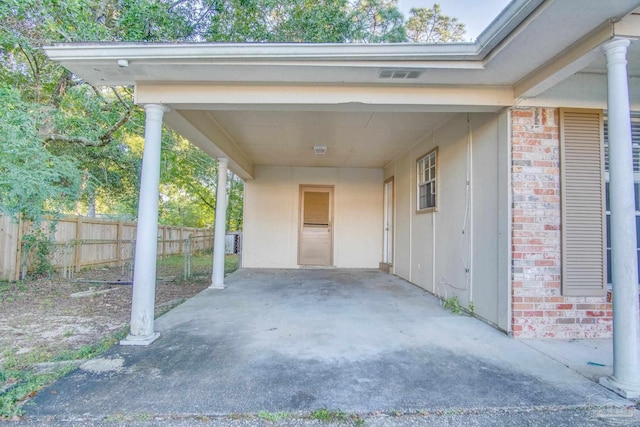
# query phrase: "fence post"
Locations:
[[78, 252], [187, 257], [239, 249], [118, 243], [163, 248], [133, 257], [23, 261], [18, 262], [68, 271]]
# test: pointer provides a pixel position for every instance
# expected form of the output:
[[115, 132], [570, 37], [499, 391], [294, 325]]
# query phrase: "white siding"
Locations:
[[430, 249], [271, 215]]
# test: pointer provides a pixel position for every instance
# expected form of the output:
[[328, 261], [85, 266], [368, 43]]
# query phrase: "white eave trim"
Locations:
[[516, 12], [253, 52], [576, 57]]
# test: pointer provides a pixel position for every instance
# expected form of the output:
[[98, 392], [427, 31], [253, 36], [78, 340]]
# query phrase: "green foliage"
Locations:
[[453, 304], [38, 246], [200, 262], [22, 381], [329, 416], [431, 26], [231, 264], [26, 384], [379, 21], [151, 21], [312, 21], [273, 416], [33, 181]]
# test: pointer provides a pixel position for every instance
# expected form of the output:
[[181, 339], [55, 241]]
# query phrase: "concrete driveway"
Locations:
[[298, 340]]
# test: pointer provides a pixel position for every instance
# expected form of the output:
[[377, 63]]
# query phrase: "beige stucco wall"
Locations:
[[430, 248], [271, 215]]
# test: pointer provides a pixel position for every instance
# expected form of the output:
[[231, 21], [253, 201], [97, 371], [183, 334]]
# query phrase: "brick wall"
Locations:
[[539, 309]]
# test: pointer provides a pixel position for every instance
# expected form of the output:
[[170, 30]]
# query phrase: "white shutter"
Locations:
[[583, 211]]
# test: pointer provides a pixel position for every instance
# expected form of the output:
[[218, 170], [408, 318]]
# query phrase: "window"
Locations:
[[635, 139], [427, 186]]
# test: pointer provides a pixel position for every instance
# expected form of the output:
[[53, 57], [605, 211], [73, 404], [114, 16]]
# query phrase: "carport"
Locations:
[[265, 111]]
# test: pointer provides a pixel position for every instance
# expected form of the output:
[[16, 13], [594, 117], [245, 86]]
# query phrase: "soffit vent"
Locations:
[[395, 73]]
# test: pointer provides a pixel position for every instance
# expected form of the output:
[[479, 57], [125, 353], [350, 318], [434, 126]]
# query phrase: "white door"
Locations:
[[315, 242], [387, 256]]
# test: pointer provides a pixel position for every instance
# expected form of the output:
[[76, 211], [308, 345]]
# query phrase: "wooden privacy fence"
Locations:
[[76, 243]]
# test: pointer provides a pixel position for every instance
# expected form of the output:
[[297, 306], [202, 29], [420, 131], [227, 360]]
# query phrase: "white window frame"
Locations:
[[635, 123], [427, 182]]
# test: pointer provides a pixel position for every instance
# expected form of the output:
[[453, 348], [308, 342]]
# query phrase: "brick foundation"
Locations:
[[539, 309]]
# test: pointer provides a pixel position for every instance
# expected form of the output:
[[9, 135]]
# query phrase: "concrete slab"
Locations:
[[298, 340], [592, 359]]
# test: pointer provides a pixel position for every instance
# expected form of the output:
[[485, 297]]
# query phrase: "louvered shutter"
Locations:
[[583, 211]]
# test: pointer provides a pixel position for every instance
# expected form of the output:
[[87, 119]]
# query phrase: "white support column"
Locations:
[[217, 277], [624, 267], [144, 274]]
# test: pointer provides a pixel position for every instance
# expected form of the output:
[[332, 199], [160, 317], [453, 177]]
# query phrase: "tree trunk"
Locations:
[[91, 210]]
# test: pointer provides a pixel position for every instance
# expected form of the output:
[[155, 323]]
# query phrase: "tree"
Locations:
[[379, 21], [431, 26], [33, 181], [188, 183], [70, 119], [311, 21]]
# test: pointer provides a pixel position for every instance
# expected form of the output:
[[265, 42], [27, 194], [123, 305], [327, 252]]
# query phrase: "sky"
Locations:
[[476, 15]]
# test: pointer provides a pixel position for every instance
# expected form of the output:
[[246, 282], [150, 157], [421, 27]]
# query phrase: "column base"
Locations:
[[137, 340], [628, 391], [214, 286]]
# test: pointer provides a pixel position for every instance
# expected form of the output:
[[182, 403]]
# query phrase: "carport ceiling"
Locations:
[[354, 139]]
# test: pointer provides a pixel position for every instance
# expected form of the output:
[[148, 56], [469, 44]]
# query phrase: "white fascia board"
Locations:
[[224, 94], [260, 51], [514, 14]]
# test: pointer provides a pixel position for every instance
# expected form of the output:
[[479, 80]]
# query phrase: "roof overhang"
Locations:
[[532, 46]]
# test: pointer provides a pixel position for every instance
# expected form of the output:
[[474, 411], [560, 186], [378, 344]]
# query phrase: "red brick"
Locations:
[[539, 308], [595, 313], [533, 313]]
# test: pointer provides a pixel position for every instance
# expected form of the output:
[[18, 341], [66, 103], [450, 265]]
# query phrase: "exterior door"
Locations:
[[387, 255], [315, 242]]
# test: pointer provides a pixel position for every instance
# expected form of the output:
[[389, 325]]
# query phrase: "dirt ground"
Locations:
[[50, 315]]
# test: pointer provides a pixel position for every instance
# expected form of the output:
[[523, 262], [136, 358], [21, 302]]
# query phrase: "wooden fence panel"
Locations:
[[9, 244], [173, 240], [79, 242], [66, 229]]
